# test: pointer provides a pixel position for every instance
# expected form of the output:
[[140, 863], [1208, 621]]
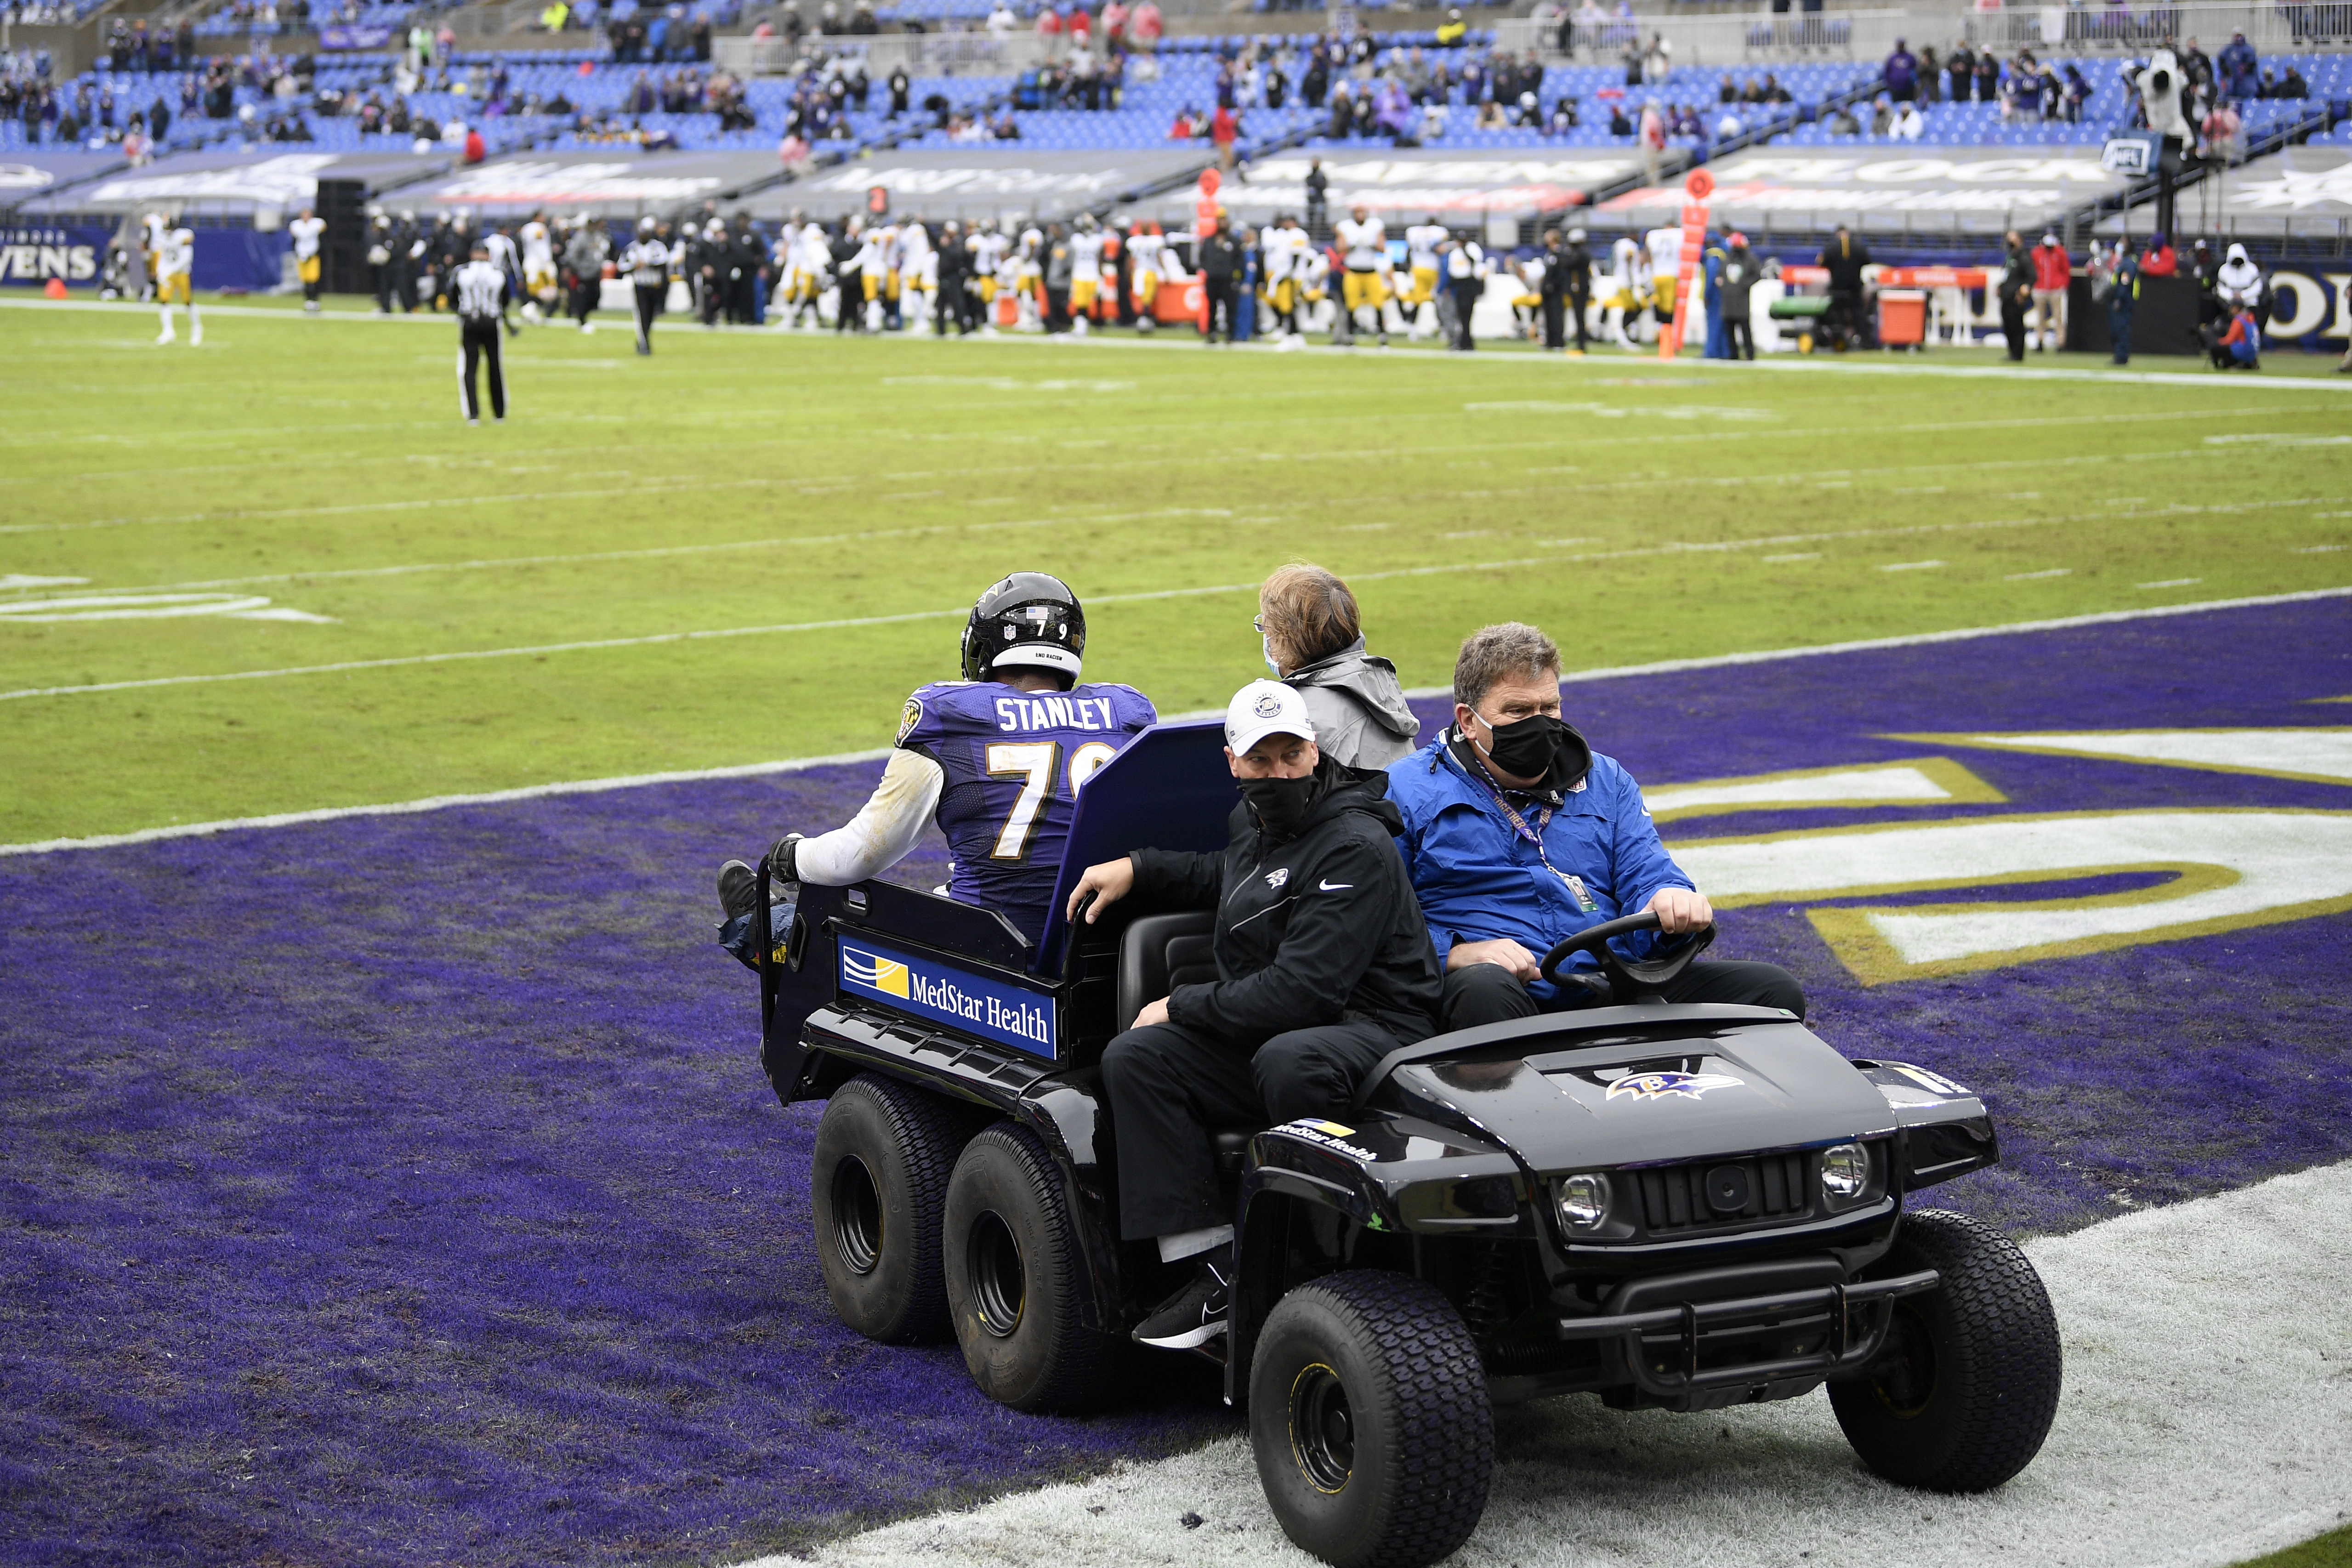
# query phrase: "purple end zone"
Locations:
[[405, 1189]]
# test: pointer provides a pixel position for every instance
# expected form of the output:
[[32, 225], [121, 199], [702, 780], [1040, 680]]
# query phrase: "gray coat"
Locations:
[[1358, 708]]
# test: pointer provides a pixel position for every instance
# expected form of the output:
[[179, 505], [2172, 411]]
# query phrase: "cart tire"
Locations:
[[1369, 1414], [1970, 1384], [876, 1193], [1015, 1278]]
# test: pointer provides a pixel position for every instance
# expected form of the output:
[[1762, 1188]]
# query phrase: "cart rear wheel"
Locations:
[[876, 1192], [1369, 1414], [1968, 1383], [1014, 1279]]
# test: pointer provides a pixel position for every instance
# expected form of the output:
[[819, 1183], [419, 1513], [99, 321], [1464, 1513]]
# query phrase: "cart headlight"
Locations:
[[1846, 1171], [1584, 1200]]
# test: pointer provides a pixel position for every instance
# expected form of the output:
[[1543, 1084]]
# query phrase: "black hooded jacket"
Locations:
[[1310, 930]]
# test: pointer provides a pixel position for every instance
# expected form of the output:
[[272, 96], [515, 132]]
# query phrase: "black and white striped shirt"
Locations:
[[646, 261], [480, 289]]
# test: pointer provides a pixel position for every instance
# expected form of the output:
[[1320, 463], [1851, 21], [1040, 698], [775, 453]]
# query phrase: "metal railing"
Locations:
[[1723, 39], [2136, 29], [922, 54]]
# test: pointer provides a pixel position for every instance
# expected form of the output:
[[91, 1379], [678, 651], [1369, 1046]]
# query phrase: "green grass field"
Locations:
[[778, 536]]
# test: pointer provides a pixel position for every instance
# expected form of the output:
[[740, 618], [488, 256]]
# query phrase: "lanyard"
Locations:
[[1576, 889]]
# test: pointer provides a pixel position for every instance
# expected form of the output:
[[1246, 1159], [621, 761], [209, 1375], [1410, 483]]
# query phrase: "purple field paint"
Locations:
[[405, 1190]]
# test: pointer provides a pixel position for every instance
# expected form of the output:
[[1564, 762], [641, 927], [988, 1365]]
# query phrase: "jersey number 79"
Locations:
[[1035, 762]]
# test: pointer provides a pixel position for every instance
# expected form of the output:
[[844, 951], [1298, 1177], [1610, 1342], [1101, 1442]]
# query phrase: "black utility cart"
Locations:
[[1677, 1207]]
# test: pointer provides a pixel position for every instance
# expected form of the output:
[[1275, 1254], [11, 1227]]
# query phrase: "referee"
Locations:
[[646, 261], [479, 290]]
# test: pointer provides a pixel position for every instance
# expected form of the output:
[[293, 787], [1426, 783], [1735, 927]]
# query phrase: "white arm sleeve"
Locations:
[[885, 828]]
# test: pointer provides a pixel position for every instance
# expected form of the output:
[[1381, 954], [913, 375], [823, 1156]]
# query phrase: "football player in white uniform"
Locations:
[[1285, 247], [918, 275], [175, 263], [306, 231], [1086, 271], [1364, 242], [1029, 278], [1421, 242], [1144, 248], [539, 278]]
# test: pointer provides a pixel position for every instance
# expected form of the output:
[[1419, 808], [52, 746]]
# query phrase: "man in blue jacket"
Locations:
[[1516, 835]]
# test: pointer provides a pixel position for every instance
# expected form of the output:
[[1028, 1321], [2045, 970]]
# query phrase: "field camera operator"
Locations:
[[1323, 968], [1516, 835]]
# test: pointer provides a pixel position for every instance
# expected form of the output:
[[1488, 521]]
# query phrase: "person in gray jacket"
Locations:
[[1314, 641]]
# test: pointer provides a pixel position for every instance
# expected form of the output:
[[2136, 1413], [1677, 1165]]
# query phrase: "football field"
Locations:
[[277, 573], [400, 1186]]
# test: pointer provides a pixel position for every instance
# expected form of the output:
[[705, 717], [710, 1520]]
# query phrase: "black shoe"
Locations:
[[1194, 1315], [739, 889]]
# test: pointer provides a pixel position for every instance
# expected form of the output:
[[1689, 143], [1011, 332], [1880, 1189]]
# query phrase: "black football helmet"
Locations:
[[1031, 618]]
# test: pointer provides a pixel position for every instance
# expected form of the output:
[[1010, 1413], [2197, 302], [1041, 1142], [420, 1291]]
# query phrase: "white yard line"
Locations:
[[1644, 361], [633, 780], [1710, 547], [2206, 1418]]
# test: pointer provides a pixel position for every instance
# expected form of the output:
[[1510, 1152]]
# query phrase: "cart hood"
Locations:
[[1660, 1085]]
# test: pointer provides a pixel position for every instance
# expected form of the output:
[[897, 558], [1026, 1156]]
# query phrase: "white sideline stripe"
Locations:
[[632, 780], [1644, 361], [1718, 547], [2210, 1328], [440, 803]]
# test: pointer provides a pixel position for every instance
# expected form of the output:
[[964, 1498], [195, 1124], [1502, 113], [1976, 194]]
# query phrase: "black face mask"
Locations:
[[1541, 747], [1280, 804]]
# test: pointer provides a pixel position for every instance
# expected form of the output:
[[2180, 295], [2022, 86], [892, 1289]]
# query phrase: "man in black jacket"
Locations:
[[1219, 261], [2016, 295], [1576, 284], [1323, 968], [1844, 258]]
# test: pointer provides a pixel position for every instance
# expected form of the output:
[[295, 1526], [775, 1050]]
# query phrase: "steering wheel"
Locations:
[[1629, 979]]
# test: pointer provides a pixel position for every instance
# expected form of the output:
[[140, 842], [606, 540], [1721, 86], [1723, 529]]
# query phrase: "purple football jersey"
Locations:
[[1014, 761]]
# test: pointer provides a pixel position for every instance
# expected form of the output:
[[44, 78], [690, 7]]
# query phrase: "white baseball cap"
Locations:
[[1265, 707]]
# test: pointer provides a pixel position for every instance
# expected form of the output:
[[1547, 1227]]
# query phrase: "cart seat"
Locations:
[[1158, 953]]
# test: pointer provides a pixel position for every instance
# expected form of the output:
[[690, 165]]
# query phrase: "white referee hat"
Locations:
[[1265, 707]]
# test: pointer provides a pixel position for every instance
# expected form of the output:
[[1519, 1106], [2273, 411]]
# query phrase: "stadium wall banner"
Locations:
[[1966, 189], [236, 182], [31, 174], [600, 184], [355, 36], [1399, 184], [2303, 193], [32, 254], [947, 184]]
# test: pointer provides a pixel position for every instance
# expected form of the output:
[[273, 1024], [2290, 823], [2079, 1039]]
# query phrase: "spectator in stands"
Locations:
[[1840, 123], [1618, 125], [1987, 76], [1882, 116], [2238, 68], [1910, 125], [1652, 142], [1774, 92], [1961, 65], [1931, 76], [1901, 74], [1002, 21], [1144, 27], [2073, 94], [1726, 91], [1224, 128], [2292, 85]]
